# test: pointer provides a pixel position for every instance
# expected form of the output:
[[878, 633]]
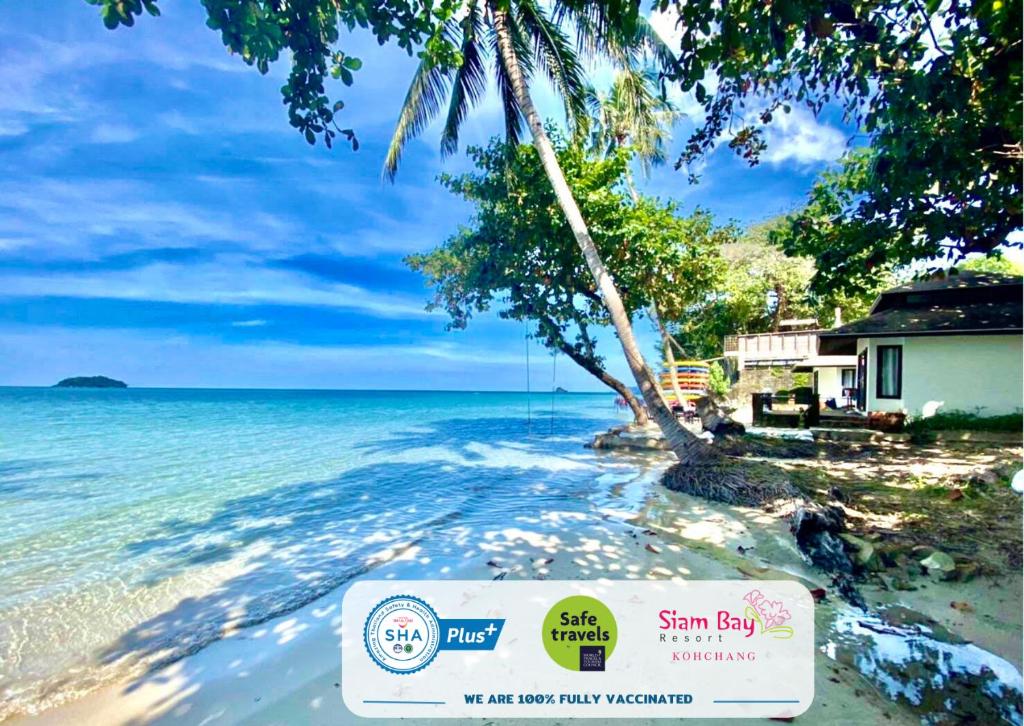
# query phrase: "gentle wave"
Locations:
[[138, 526]]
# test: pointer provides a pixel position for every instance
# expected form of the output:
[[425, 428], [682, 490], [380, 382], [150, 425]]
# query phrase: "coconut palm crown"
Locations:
[[453, 73]]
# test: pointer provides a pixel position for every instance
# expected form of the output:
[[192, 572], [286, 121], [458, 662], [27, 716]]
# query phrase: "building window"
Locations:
[[849, 377], [889, 378]]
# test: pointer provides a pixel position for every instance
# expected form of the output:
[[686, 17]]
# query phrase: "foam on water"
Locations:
[[137, 525]]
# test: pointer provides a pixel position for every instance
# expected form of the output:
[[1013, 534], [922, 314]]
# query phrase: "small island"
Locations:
[[91, 382]]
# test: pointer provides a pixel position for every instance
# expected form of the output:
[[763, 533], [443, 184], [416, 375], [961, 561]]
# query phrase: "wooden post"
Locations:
[[757, 403], [813, 414]]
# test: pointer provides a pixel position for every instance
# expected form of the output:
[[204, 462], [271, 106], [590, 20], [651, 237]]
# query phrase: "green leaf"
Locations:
[[353, 64]]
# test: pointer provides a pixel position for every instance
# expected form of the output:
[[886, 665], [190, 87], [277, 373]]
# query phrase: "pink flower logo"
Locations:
[[771, 615]]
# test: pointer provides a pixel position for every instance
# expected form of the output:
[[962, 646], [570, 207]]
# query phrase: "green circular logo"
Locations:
[[579, 633]]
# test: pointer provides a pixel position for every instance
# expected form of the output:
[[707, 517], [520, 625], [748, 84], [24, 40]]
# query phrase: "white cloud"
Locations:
[[107, 133], [110, 216], [799, 137], [249, 323], [228, 280], [12, 127]]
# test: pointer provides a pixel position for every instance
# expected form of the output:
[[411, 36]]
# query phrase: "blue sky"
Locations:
[[160, 221]]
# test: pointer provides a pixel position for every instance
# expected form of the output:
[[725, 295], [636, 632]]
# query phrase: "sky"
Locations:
[[161, 223]]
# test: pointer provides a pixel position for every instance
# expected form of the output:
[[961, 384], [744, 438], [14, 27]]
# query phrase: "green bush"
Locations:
[[718, 383], [964, 421]]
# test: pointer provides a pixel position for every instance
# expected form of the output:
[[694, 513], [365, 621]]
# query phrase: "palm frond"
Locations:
[[422, 103], [470, 82], [596, 30], [513, 113], [634, 114], [666, 60], [557, 59]]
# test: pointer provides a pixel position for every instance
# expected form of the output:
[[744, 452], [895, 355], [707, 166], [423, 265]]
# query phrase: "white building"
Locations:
[[832, 377], [941, 345]]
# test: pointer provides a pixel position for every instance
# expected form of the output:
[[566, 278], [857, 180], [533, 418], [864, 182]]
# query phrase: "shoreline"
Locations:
[[287, 670]]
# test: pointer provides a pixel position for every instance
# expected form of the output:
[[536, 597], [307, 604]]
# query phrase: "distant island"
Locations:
[[560, 390], [91, 382]]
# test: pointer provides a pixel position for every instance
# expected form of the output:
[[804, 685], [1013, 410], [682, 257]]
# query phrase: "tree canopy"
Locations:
[[308, 33], [761, 287], [519, 256], [935, 85]]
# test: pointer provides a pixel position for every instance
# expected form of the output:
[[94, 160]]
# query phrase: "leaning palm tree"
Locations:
[[521, 38], [633, 114]]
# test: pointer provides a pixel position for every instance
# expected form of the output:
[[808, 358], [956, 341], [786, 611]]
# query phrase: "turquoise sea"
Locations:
[[137, 525]]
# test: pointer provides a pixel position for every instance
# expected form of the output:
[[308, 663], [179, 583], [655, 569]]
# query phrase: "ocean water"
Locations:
[[138, 525]]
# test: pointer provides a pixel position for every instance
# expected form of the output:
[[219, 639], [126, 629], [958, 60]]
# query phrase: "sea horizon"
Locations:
[[537, 391]]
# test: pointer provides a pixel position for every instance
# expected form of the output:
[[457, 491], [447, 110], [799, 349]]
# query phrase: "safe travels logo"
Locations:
[[580, 633]]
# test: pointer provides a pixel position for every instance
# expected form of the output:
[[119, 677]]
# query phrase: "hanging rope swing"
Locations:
[[554, 368], [529, 413]]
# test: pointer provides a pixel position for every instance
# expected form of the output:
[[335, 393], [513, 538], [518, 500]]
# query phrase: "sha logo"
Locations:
[[402, 634]]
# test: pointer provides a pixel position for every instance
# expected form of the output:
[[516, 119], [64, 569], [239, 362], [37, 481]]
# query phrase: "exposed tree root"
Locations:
[[728, 480], [750, 484]]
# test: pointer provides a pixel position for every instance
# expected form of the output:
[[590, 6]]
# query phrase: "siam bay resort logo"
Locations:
[[770, 615], [718, 636]]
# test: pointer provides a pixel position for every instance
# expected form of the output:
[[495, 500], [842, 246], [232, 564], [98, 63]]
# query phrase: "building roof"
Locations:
[[966, 304], [960, 281], [826, 361]]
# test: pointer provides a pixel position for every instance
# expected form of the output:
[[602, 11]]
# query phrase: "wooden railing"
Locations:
[[773, 346]]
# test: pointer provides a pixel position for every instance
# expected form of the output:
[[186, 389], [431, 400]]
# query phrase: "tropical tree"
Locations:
[[520, 37], [520, 257], [634, 115], [762, 286], [933, 87], [996, 264]]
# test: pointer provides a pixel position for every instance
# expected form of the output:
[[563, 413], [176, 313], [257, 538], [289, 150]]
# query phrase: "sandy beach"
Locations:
[[287, 670]]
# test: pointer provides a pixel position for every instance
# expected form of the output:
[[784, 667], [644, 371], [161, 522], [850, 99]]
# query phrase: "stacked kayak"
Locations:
[[691, 377]]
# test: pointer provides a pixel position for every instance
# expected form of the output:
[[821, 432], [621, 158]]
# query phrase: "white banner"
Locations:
[[583, 649]]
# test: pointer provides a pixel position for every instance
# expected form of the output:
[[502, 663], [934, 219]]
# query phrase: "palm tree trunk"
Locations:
[[687, 447], [670, 359]]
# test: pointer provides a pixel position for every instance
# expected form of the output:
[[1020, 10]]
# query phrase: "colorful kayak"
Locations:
[[690, 378]]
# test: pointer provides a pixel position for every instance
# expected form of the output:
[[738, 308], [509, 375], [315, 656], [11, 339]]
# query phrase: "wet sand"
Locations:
[[287, 671]]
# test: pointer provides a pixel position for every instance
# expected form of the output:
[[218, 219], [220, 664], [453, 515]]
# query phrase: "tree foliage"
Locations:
[[996, 263], [935, 85], [308, 33], [762, 286], [519, 256]]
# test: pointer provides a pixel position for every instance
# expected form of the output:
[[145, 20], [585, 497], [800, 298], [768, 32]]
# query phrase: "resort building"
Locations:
[[833, 378], [941, 345]]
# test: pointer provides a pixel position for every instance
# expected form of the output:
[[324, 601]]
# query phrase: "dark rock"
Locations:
[[816, 531], [837, 494], [847, 589]]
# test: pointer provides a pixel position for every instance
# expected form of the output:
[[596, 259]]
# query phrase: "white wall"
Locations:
[[980, 374], [830, 384]]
